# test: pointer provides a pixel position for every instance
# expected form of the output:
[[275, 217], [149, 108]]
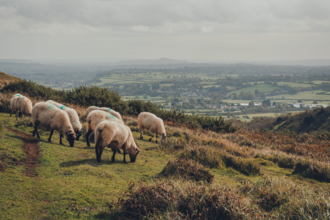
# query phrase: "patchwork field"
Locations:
[[251, 89]]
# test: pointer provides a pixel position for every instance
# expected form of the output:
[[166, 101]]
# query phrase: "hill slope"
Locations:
[[5, 79], [309, 121]]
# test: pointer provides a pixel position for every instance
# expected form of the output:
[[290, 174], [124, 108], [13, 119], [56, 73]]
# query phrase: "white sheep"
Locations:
[[74, 118], [151, 122], [23, 106], [94, 118], [106, 109], [13, 103], [115, 135], [52, 118]]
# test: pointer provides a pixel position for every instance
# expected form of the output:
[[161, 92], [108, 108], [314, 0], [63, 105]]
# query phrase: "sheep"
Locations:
[[106, 109], [74, 118], [13, 102], [115, 135], [151, 122], [23, 106], [52, 118], [94, 118]]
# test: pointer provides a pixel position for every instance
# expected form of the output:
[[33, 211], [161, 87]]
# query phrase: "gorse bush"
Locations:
[[187, 169], [87, 96]]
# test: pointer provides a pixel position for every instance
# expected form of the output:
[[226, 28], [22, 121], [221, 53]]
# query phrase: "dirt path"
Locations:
[[31, 149]]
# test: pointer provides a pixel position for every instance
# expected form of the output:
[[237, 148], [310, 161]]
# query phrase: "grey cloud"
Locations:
[[155, 15]]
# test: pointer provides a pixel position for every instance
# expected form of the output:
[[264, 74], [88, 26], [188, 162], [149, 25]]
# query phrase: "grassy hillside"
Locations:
[[197, 173], [5, 79], [193, 174]]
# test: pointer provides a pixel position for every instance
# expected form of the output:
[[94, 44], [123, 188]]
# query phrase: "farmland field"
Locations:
[[251, 89], [293, 84], [309, 95]]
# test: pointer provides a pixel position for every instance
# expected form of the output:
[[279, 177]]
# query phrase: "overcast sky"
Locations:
[[178, 29]]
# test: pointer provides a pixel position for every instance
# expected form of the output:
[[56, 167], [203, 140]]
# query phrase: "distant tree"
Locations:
[[315, 102], [266, 102], [274, 103], [299, 100], [283, 97], [235, 96], [251, 104], [256, 92], [262, 95]]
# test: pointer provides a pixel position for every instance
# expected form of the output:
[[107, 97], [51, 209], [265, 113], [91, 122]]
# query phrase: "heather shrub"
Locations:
[[187, 169], [312, 170], [215, 158], [185, 200]]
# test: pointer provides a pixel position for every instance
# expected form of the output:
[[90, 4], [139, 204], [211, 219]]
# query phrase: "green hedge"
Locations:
[[87, 96]]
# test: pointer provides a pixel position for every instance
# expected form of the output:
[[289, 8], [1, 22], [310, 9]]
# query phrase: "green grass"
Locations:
[[294, 84], [320, 81], [66, 177], [309, 95], [260, 87]]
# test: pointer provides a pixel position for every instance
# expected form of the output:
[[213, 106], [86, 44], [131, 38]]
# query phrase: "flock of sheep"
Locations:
[[108, 126]]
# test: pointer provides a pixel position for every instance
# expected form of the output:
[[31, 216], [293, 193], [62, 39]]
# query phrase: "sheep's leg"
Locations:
[[61, 136], [156, 139], [50, 136], [36, 131], [17, 113], [151, 137], [87, 137], [11, 113], [100, 154], [113, 155], [141, 134], [97, 153], [124, 156], [118, 150]]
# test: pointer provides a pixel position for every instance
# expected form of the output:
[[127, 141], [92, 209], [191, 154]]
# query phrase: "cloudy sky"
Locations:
[[178, 29]]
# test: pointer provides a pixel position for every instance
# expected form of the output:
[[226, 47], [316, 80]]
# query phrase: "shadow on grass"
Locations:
[[91, 162], [107, 215]]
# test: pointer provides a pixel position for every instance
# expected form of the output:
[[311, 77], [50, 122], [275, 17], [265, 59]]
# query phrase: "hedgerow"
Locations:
[[93, 95]]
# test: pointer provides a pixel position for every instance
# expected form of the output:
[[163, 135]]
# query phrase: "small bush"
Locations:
[[186, 136], [206, 156], [215, 158], [286, 162], [187, 169], [176, 134], [186, 200], [5, 105], [312, 170]]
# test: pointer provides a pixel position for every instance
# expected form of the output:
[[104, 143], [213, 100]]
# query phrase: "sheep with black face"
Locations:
[[74, 118], [115, 135], [106, 109], [94, 118], [52, 118], [151, 122]]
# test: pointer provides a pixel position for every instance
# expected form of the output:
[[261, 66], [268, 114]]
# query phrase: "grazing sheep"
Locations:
[[23, 106], [13, 103], [106, 109], [74, 118], [94, 118], [115, 135], [50, 117], [151, 122]]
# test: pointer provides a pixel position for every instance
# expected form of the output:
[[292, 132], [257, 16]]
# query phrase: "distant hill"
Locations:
[[5, 79], [161, 61], [15, 61], [323, 62]]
